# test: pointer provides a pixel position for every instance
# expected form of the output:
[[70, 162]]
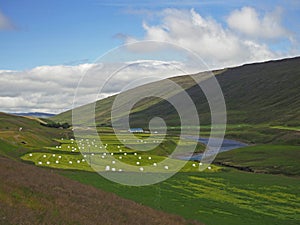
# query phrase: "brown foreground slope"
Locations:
[[31, 195]]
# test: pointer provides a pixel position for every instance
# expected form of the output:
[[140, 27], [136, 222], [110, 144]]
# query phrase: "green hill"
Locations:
[[19, 133], [260, 93]]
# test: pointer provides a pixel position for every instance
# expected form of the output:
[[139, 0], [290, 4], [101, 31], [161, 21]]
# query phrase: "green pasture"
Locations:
[[110, 153], [223, 197], [216, 196], [275, 159]]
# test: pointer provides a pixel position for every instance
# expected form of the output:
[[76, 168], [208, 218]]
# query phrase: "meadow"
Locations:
[[216, 198], [110, 155], [264, 158], [219, 195]]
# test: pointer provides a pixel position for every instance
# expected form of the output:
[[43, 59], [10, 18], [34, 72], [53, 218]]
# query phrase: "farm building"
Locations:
[[136, 130]]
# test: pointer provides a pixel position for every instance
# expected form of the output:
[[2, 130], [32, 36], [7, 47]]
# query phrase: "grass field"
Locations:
[[221, 195], [224, 197], [275, 159], [35, 196], [30, 195], [109, 154], [218, 196]]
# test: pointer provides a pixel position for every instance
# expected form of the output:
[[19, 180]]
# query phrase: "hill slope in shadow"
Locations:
[[255, 93]]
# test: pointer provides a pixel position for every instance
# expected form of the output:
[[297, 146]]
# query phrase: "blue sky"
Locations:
[[46, 46], [71, 32]]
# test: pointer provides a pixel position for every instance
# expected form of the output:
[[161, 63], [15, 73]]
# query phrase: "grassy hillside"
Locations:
[[31, 195], [225, 197], [230, 195], [275, 159], [103, 107], [255, 94], [19, 133], [221, 195], [263, 92]]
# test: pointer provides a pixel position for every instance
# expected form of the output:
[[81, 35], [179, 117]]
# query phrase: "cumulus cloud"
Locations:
[[44, 88], [5, 23], [52, 88], [217, 44], [249, 22]]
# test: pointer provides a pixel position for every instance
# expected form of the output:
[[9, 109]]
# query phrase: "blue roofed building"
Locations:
[[136, 130]]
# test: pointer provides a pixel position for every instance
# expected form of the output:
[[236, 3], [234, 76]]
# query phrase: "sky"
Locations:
[[47, 46]]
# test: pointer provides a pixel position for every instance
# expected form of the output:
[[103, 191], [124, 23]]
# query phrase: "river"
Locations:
[[227, 145]]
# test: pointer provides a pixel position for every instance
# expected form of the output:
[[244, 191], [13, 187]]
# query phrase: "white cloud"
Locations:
[[249, 22], [44, 88], [218, 45], [5, 23], [52, 88]]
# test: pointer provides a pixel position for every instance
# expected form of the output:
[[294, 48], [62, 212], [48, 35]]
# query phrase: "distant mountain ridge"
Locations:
[[35, 114]]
